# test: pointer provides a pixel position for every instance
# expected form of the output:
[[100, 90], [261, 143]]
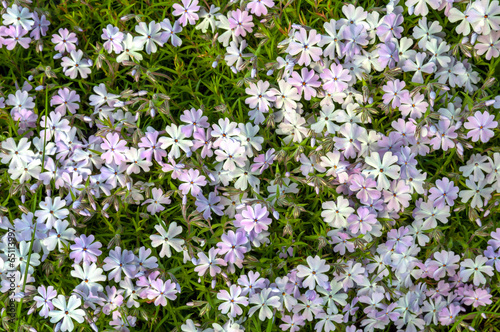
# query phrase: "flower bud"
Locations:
[[270, 72], [215, 63]]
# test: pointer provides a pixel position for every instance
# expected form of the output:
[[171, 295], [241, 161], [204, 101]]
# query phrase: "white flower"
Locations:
[[314, 272], [67, 312], [167, 239], [76, 65], [131, 47]]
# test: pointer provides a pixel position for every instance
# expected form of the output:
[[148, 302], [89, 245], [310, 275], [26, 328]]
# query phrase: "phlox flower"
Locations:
[[65, 41], [234, 55], [261, 96], [16, 34], [293, 323], [233, 246], [66, 99], [114, 148], [333, 38], [18, 16], [263, 301], [137, 161], [394, 93], [51, 210], [67, 312], [171, 32], [241, 22], [419, 67], [193, 181], [444, 263], [477, 297], [362, 221], [176, 141], [232, 154], [120, 261], [160, 291], [444, 135], [203, 139], [314, 273], [209, 19], [429, 213], [259, 7], [232, 299], [293, 127], [489, 44], [286, 97], [477, 191], [75, 65], [167, 239], [306, 82], [187, 12], [156, 201], [304, 44], [44, 300], [448, 314], [209, 263], [90, 275], [481, 126], [113, 39], [475, 268], [354, 272], [484, 16], [335, 79], [349, 142], [382, 169], [131, 48], [208, 205], [194, 120], [390, 27], [335, 212], [398, 196], [85, 249], [445, 191], [150, 35], [254, 218]]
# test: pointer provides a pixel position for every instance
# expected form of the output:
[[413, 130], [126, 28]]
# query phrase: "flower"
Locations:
[[476, 268], [209, 263], [477, 192], [481, 125], [306, 82], [91, 275], [51, 210], [120, 261], [67, 312], [304, 44], [394, 92], [113, 39], [155, 203], [381, 170], [261, 96], [187, 12], [263, 301], [76, 65], [259, 7], [171, 32], [131, 46], [335, 79], [233, 245], [193, 180], [315, 272], [84, 249], [67, 100], [240, 22], [362, 221], [161, 291], [150, 36], [233, 299], [176, 140], [254, 218], [335, 213], [477, 297], [44, 301], [444, 263], [65, 41], [18, 16], [167, 239]]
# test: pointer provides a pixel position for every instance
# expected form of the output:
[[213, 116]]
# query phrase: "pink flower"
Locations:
[[65, 41], [17, 34], [481, 125], [304, 45], [209, 263], [362, 221], [114, 148], [394, 92], [193, 182], [306, 82], [398, 196], [254, 219], [240, 22], [335, 78], [187, 11], [67, 100], [259, 7], [444, 135], [155, 203]]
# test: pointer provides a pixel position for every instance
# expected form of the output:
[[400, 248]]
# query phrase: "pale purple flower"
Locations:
[[335, 79], [203, 139], [444, 263], [445, 191], [335, 213], [361, 222], [51, 210], [113, 39], [388, 55], [65, 41], [394, 92], [255, 218], [114, 147], [445, 133], [259, 7], [18, 16], [481, 126], [193, 181], [66, 99], [419, 67], [44, 300], [447, 314], [208, 205], [233, 246], [195, 120], [156, 201], [390, 27], [171, 32], [160, 291], [484, 16], [304, 45], [489, 44], [382, 169], [85, 249], [240, 22], [306, 82], [187, 12], [209, 263], [232, 299], [120, 261], [477, 297], [16, 34]]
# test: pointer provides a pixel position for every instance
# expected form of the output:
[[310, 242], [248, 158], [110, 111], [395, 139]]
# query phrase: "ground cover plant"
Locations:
[[249, 165]]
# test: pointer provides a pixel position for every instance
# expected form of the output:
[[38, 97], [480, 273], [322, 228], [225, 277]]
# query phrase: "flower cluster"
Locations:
[[327, 150]]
